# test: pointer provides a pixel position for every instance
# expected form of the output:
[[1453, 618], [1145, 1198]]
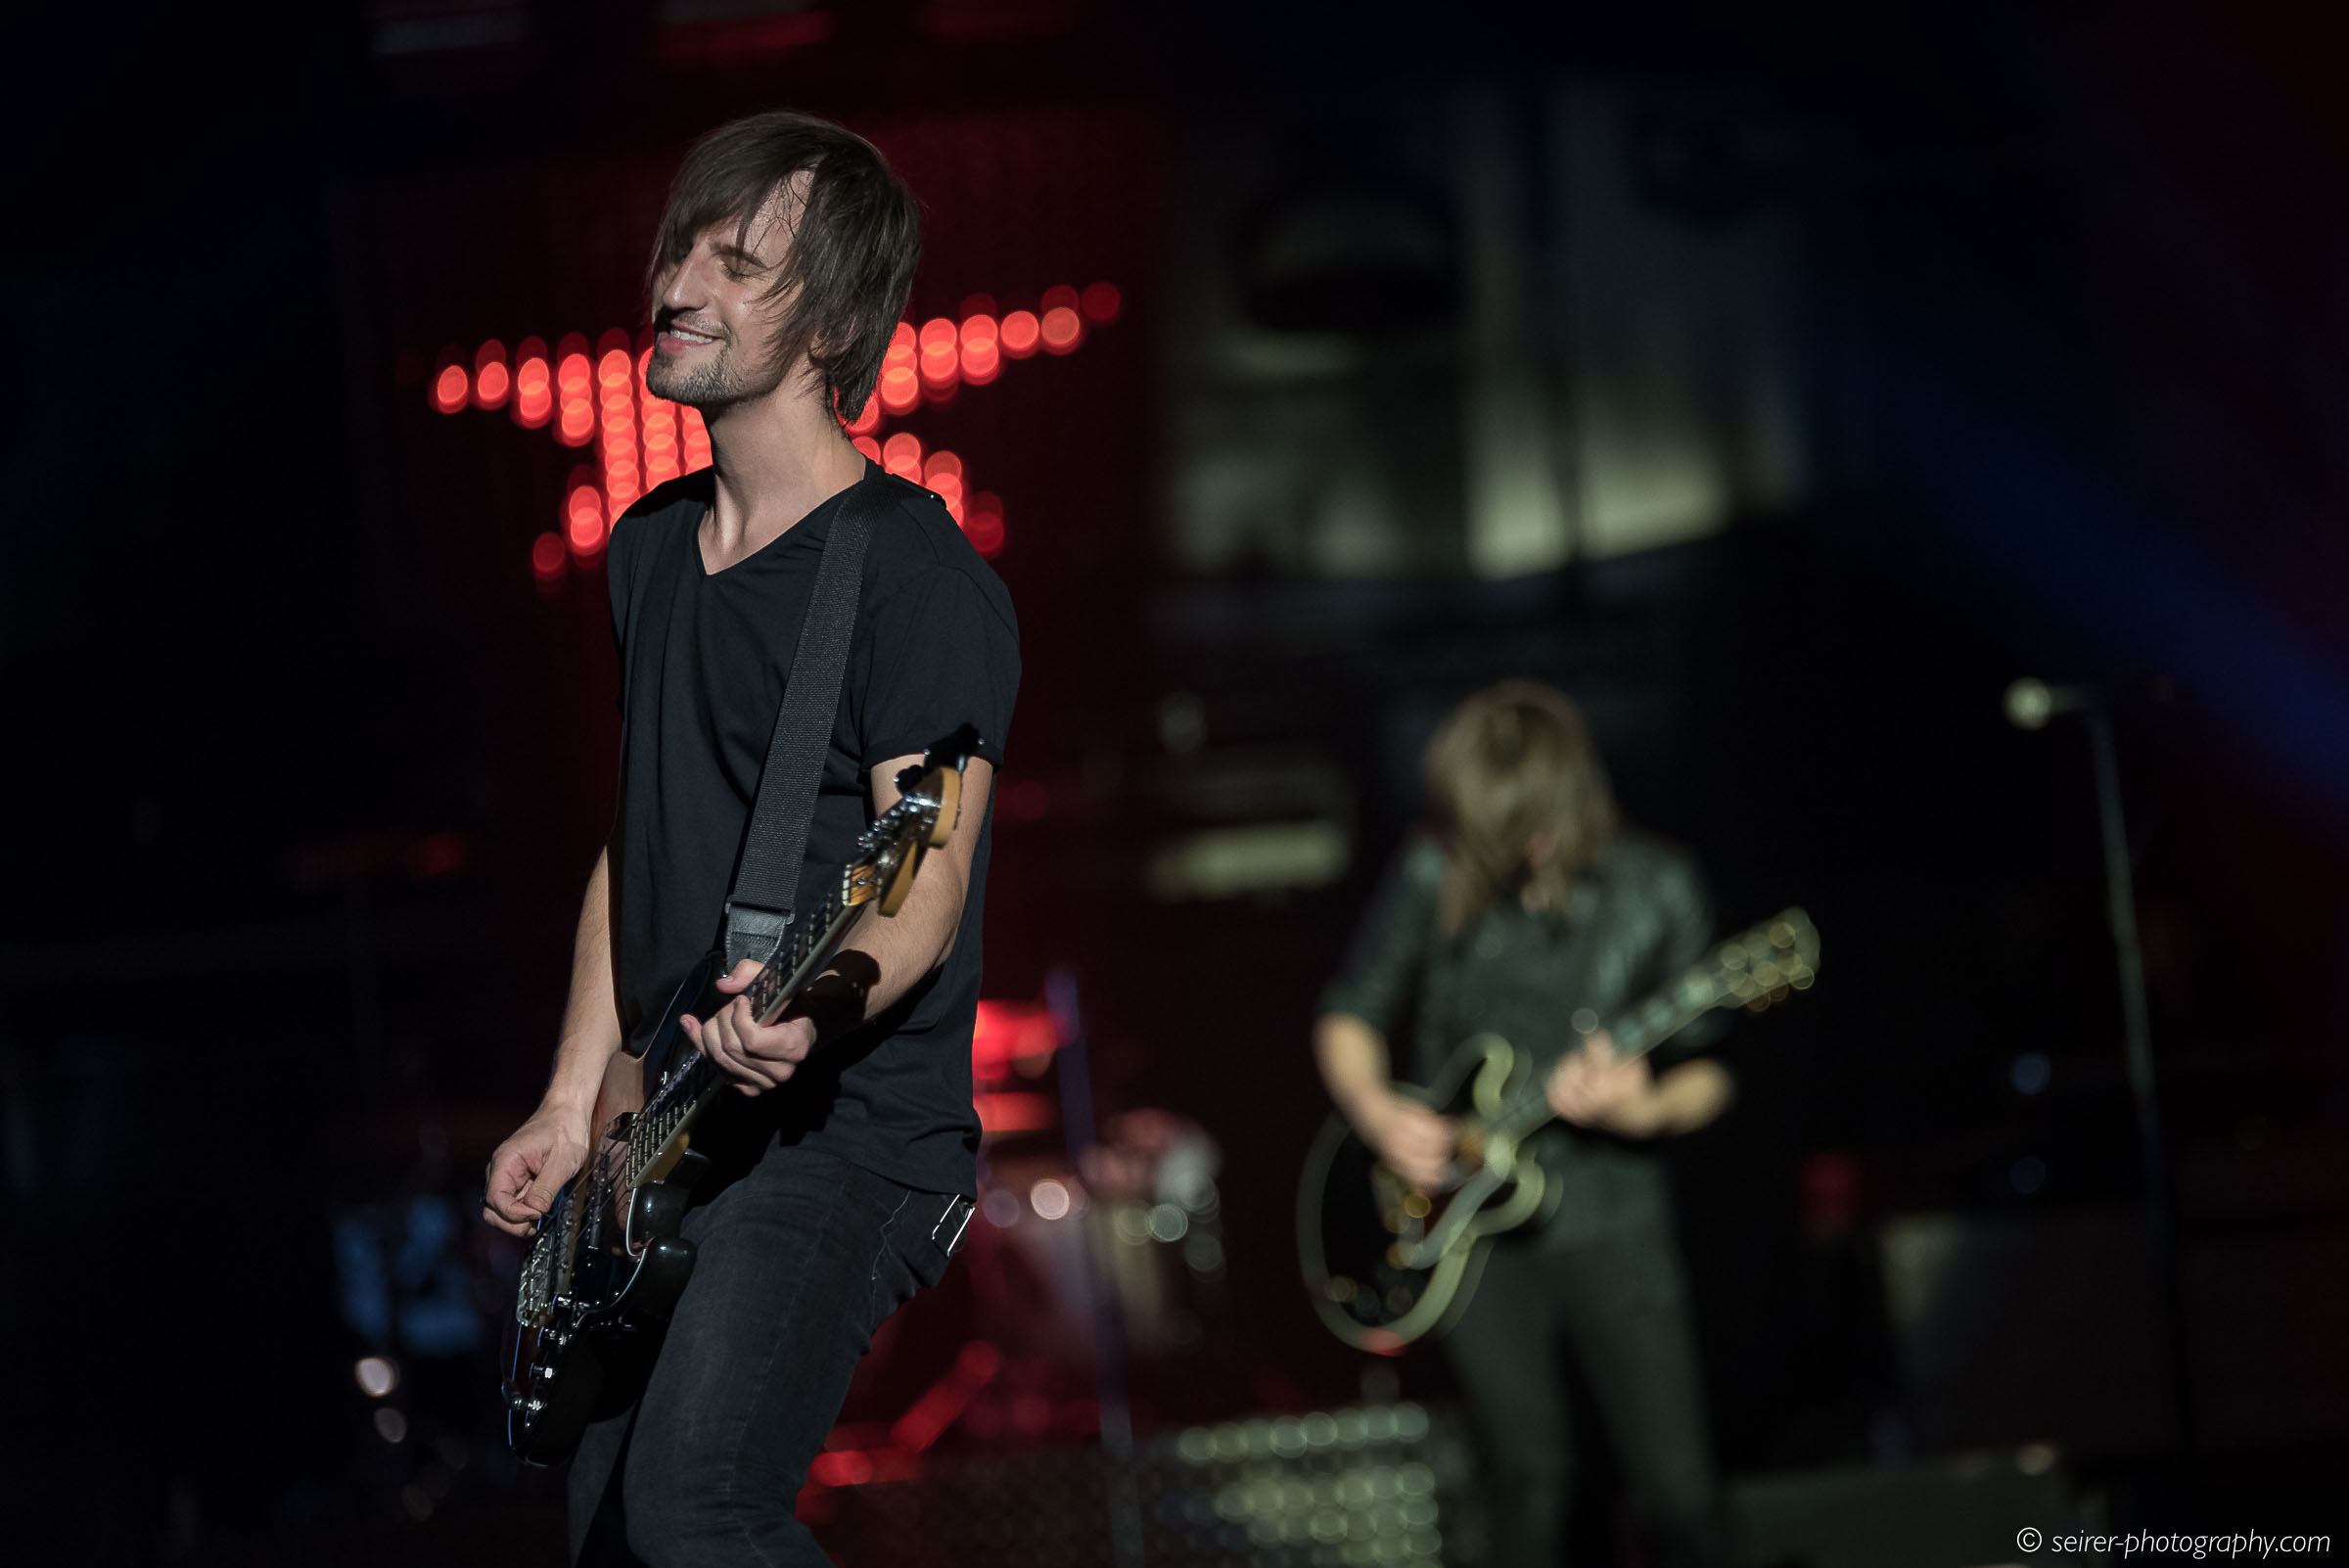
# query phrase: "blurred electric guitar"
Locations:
[[1386, 1263], [607, 1264]]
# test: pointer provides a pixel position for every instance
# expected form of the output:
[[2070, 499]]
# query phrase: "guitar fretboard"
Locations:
[[689, 1086], [1746, 971]]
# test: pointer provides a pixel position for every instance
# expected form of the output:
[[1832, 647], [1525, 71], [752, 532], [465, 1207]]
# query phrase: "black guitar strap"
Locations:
[[766, 879]]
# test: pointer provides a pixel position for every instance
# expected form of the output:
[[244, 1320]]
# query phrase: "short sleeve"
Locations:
[[1389, 956], [945, 654]]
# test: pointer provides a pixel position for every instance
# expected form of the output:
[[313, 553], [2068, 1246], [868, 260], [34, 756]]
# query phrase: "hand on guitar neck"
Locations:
[[1595, 1088]]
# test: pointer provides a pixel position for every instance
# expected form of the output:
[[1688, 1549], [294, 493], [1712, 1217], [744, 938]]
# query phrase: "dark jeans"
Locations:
[[1618, 1304], [796, 1264]]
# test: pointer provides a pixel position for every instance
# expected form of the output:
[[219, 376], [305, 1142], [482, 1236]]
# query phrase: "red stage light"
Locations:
[[583, 520], [901, 454], [1009, 1111], [985, 526], [940, 361], [979, 304], [942, 473], [1060, 296], [491, 381], [697, 439], [1100, 302], [449, 390], [1020, 334], [981, 354], [574, 380], [868, 447], [900, 389], [868, 419], [616, 371], [663, 461], [547, 557], [534, 384], [1063, 330]]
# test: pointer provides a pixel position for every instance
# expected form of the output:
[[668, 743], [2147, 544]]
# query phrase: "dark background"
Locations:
[[307, 768]]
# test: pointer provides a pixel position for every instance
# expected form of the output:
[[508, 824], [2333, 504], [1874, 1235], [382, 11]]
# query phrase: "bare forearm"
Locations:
[[592, 1036], [1690, 1095], [1353, 1061], [882, 958]]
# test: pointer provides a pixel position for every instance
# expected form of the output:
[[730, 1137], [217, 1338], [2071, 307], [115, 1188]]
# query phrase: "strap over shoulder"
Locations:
[[767, 880]]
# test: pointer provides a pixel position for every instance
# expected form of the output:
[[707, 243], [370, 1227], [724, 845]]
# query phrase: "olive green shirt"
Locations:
[[1637, 919]]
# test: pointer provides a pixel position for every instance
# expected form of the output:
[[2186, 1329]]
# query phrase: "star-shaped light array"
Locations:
[[641, 441]]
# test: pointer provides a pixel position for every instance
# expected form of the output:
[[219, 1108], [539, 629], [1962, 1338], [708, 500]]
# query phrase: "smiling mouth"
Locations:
[[685, 337]]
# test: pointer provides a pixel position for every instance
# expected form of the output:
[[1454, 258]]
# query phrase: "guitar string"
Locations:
[[651, 1130]]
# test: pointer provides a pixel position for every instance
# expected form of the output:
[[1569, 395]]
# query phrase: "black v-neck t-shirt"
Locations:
[[703, 661]]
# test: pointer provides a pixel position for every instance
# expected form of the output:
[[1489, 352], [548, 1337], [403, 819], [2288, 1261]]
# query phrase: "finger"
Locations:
[[692, 1027], [724, 1047], [740, 976], [500, 1223], [783, 1043]]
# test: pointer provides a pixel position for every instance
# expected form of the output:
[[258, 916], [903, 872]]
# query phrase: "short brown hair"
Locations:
[[853, 250], [1512, 763]]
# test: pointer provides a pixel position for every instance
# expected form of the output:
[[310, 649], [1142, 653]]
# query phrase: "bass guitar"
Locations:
[[1386, 1263], [606, 1265]]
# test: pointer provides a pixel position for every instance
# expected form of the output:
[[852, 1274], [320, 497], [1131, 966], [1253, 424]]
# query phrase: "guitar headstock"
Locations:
[[928, 804], [1769, 962], [936, 782]]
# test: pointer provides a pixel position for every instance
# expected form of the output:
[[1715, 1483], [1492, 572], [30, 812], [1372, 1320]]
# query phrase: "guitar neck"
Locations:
[[688, 1091], [1635, 1034], [1752, 970]]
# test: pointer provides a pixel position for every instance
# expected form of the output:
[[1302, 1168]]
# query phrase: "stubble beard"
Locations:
[[713, 387]]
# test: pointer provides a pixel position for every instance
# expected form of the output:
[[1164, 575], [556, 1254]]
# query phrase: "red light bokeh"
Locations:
[[985, 525], [583, 520], [1063, 330], [1100, 302], [902, 456], [1020, 333], [643, 441]]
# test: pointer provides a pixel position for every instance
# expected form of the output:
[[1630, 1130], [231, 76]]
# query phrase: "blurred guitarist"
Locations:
[[779, 272], [1525, 910]]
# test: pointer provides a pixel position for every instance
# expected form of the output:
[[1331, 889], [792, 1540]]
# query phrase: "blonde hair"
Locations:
[[1507, 767]]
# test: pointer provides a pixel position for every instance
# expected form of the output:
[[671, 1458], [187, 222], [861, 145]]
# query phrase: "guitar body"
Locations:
[[592, 1358], [608, 1265], [1387, 1264]]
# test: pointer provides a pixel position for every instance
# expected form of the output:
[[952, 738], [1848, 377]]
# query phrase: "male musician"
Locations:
[[1527, 911], [779, 272]]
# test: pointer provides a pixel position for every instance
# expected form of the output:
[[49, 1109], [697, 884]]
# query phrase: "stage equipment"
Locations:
[[2030, 703], [1360, 1488], [608, 1265], [1385, 1263], [1972, 1509]]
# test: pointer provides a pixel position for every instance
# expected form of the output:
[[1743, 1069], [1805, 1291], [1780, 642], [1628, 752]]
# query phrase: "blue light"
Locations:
[[2029, 1072]]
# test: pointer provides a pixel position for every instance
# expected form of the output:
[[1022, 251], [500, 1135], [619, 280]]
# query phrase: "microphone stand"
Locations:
[[2029, 705]]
